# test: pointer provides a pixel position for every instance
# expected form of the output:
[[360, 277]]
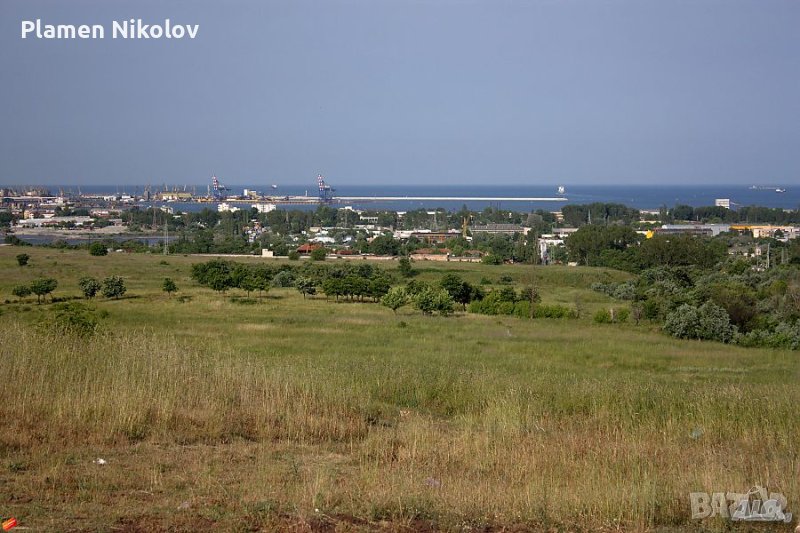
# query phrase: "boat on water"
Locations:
[[780, 190], [561, 189]]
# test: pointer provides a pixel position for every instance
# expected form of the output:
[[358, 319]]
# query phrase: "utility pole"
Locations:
[[166, 235]]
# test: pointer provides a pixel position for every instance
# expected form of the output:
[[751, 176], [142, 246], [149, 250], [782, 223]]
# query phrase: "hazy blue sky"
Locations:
[[398, 91]]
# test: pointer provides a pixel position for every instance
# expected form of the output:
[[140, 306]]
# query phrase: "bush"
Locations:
[[169, 286], [73, 319], [22, 259], [492, 259], [431, 301], [707, 322], [294, 255], [113, 287], [603, 316], [395, 298], [42, 287], [89, 287], [98, 249], [318, 254], [21, 291], [284, 278], [785, 336], [621, 315]]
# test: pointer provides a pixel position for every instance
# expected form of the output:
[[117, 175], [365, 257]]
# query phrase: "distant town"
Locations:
[[270, 225]]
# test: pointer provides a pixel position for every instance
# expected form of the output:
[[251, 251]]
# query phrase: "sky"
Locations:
[[395, 92]]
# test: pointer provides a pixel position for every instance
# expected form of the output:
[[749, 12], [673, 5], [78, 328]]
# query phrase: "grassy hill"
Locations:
[[240, 414]]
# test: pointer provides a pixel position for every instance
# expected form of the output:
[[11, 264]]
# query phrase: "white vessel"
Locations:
[[561, 189]]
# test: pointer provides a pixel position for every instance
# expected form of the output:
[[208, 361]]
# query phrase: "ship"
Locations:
[[561, 189]]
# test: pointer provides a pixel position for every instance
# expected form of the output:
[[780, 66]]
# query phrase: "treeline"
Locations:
[[366, 283], [622, 248], [732, 303]]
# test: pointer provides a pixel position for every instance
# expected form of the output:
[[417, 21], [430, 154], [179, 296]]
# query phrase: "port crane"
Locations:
[[217, 189], [325, 190]]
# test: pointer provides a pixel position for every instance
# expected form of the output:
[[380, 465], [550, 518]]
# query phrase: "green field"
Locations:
[[216, 412]]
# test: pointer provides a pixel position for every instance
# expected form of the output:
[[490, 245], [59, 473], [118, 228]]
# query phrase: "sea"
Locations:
[[645, 197]]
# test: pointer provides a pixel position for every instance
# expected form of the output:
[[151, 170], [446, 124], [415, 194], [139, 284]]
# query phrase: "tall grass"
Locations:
[[293, 409], [437, 443]]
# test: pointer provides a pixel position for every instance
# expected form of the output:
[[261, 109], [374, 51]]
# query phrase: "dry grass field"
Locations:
[[217, 412]]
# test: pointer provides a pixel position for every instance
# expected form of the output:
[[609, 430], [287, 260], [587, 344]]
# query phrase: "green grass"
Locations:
[[290, 413]]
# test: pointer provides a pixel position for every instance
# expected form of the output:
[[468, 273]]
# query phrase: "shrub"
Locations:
[[73, 318], [395, 298], [113, 287], [284, 278], [622, 314], [318, 254], [707, 322], [492, 259], [169, 286], [602, 316], [21, 291], [98, 249], [404, 267], [431, 301], [293, 255], [42, 287], [22, 259], [305, 286], [89, 287]]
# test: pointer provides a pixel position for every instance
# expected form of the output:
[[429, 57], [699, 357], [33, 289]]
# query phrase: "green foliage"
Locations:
[[318, 254], [215, 274], [430, 301], [72, 319], [305, 286], [293, 255], [42, 287], [98, 249], [21, 291], [384, 245], [707, 322], [784, 335], [22, 259], [459, 290], [113, 287], [89, 287], [404, 267], [169, 286], [492, 259], [587, 245], [602, 316], [395, 298], [284, 278]]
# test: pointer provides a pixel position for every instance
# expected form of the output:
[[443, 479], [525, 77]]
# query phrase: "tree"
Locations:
[[530, 294], [306, 286], [431, 300], [22, 259], [707, 322], [21, 291], [114, 287], [395, 298], [169, 286], [318, 254], [42, 287], [458, 289], [98, 248], [249, 283], [404, 267], [89, 287]]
